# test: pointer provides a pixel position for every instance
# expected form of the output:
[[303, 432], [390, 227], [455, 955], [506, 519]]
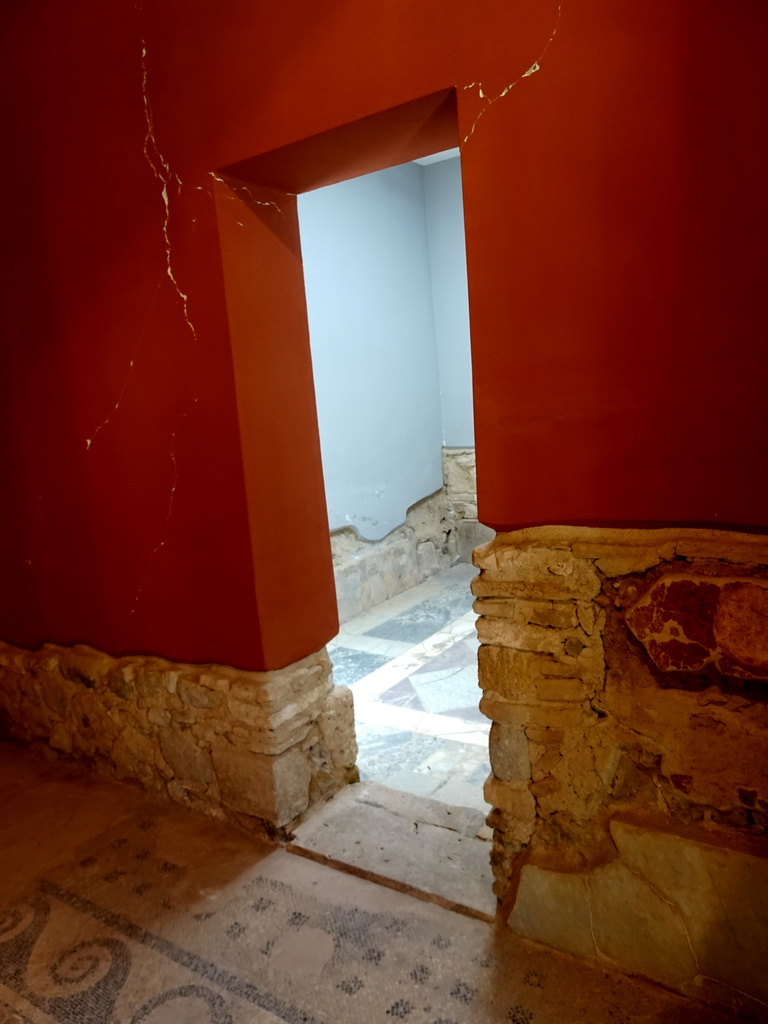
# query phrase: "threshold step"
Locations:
[[410, 843]]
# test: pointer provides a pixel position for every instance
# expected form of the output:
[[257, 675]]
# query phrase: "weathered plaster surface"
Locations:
[[602, 761]]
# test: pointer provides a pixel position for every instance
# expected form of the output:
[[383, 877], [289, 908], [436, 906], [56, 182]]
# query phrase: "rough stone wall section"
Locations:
[[460, 480], [258, 748], [630, 801], [368, 573]]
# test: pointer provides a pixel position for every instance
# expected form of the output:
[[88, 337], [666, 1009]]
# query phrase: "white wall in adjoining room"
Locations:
[[448, 270], [389, 328]]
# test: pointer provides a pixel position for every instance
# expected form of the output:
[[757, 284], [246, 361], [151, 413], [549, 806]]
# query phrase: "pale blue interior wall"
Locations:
[[445, 233], [369, 302]]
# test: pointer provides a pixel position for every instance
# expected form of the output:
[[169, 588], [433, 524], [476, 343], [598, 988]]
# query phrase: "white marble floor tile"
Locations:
[[409, 720], [415, 657], [368, 644]]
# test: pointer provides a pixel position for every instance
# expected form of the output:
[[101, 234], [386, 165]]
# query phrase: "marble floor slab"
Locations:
[[412, 666]]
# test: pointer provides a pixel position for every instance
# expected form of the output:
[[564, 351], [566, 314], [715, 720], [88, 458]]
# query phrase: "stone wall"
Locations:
[[370, 572], [625, 675], [460, 480], [257, 748], [438, 532]]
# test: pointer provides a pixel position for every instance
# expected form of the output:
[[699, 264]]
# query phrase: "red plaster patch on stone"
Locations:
[[678, 656], [687, 623]]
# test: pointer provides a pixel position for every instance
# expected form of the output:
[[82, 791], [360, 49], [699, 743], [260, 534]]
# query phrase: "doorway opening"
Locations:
[[386, 289]]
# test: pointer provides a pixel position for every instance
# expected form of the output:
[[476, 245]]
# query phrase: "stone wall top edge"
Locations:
[[161, 662], [688, 541]]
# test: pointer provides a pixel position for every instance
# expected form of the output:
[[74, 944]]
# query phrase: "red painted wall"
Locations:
[[160, 460]]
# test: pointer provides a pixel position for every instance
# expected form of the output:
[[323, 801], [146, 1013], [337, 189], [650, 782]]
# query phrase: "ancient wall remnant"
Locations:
[[438, 532], [460, 480], [255, 747], [370, 572], [625, 675]]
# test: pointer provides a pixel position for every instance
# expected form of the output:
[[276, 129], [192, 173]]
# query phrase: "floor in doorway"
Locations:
[[115, 909], [412, 666]]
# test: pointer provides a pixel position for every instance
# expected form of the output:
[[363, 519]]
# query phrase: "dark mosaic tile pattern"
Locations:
[[427, 617], [103, 962], [349, 665], [177, 920]]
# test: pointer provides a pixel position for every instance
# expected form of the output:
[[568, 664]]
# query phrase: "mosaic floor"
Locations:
[[412, 666], [116, 910]]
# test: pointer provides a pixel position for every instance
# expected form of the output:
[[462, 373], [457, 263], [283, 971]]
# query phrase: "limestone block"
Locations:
[[275, 789], [272, 720], [720, 895], [587, 614], [459, 474], [556, 615], [427, 558], [558, 717], [184, 716], [464, 507], [515, 799], [545, 736], [150, 681], [609, 913], [281, 686], [738, 548], [191, 763], [639, 549], [270, 741], [159, 717], [133, 756], [219, 682], [372, 592], [635, 927], [560, 690], [93, 730], [121, 682], [499, 710], [514, 674], [534, 574], [630, 560], [57, 694], [546, 762], [508, 747], [197, 696], [337, 727], [348, 592], [553, 908], [85, 666]]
